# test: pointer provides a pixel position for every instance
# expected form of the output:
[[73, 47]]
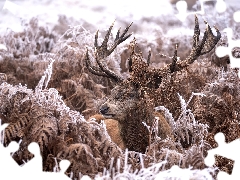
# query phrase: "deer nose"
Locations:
[[104, 109]]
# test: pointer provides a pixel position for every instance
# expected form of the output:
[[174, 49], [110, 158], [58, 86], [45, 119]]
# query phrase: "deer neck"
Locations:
[[133, 129]]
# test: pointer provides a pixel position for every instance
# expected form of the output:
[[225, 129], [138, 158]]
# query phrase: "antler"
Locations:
[[199, 48], [102, 52]]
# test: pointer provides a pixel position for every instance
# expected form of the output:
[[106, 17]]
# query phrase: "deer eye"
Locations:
[[131, 95], [118, 96]]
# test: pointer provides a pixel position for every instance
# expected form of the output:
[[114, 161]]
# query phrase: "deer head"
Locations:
[[131, 101], [143, 80]]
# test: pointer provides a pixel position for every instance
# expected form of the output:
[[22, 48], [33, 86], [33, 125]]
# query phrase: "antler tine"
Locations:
[[101, 71], [196, 32], [132, 47], [93, 69], [102, 52], [96, 40], [118, 40], [210, 40], [207, 44], [122, 38], [106, 38], [117, 35], [174, 60], [196, 48], [149, 57]]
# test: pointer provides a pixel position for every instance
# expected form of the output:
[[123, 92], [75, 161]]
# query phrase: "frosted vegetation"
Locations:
[[47, 95]]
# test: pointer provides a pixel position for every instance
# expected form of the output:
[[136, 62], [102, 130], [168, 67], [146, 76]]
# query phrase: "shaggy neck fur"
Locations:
[[134, 133]]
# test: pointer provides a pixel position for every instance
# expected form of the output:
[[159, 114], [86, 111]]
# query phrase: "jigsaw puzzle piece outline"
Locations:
[[222, 51], [35, 166], [236, 16], [182, 10], [9, 169], [228, 150]]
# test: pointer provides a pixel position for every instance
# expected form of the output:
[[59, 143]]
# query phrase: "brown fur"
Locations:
[[113, 128], [164, 129], [132, 100], [134, 112]]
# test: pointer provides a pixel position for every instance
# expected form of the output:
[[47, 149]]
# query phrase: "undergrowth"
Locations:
[[47, 94]]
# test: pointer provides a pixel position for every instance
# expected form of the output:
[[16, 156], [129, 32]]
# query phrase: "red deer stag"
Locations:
[[131, 102]]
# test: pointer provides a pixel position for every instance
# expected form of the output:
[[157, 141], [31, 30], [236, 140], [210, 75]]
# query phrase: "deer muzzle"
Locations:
[[104, 109]]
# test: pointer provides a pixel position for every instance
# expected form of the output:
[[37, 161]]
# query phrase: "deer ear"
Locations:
[[155, 82], [136, 85]]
